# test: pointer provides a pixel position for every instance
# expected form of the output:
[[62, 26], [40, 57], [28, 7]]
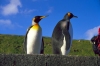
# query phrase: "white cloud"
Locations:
[[5, 23], [27, 11], [8, 24], [49, 10], [11, 8], [91, 32]]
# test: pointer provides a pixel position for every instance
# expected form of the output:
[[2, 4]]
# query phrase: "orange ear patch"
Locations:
[[69, 14]]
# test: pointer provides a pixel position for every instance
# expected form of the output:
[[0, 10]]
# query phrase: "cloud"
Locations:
[[49, 10], [8, 24], [5, 23], [27, 11], [11, 8], [91, 32]]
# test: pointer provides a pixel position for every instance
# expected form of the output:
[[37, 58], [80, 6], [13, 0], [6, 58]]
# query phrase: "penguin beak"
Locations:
[[44, 16], [75, 16]]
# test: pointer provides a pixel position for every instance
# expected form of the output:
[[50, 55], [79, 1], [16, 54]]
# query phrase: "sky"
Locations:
[[16, 16]]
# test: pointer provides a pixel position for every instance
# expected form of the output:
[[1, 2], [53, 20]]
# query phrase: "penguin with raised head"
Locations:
[[33, 42], [62, 35]]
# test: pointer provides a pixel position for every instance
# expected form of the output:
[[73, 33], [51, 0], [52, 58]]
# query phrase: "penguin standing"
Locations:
[[33, 42], [62, 35]]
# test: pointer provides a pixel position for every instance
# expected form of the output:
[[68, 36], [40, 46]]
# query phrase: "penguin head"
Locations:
[[36, 19], [69, 16]]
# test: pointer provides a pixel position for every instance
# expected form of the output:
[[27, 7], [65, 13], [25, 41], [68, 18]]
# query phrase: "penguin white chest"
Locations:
[[63, 48], [34, 39]]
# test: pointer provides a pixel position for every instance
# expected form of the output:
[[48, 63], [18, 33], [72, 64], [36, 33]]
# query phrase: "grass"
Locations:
[[13, 44]]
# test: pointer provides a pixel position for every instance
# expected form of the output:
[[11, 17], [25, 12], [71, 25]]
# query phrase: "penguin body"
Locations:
[[62, 36], [33, 40]]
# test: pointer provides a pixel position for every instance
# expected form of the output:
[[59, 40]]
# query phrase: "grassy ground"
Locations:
[[13, 44]]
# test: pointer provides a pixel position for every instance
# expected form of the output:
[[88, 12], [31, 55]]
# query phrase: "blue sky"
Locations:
[[16, 16]]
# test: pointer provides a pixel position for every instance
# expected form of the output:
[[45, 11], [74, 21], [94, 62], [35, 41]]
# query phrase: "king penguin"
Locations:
[[62, 35], [33, 42]]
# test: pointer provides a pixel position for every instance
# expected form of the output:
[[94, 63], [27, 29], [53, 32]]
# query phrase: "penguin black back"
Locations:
[[62, 35], [58, 37]]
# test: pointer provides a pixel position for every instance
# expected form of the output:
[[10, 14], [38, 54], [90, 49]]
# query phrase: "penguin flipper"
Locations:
[[57, 39], [42, 47], [68, 33]]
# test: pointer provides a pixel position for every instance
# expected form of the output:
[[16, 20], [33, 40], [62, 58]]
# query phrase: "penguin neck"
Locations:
[[66, 18], [33, 23]]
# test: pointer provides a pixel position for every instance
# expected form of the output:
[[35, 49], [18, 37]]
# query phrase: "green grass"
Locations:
[[82, 48], [13, 44]]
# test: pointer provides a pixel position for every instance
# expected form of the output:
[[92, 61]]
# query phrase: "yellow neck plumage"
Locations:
[[36, 26]]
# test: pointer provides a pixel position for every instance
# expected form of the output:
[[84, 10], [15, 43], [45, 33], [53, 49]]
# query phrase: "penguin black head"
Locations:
[[69, 16], [36, 19]]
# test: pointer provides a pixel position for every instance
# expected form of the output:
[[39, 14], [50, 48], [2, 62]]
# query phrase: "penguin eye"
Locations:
[[37, 19]]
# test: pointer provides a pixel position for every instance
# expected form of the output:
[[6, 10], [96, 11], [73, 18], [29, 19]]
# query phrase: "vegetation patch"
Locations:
[[13, 44]]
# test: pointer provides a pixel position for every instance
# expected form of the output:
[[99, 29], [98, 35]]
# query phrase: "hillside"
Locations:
[[13, 44]]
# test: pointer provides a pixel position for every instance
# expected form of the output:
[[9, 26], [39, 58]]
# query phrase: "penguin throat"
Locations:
[[36, 26], [67, 18], [33, 23]]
